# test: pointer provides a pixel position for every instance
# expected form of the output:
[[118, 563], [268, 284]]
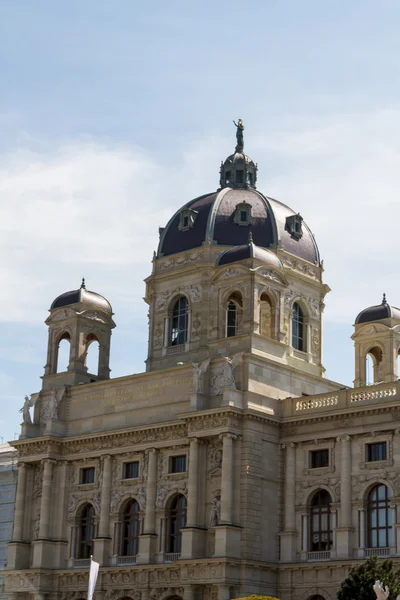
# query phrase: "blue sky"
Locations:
[[112, 115]]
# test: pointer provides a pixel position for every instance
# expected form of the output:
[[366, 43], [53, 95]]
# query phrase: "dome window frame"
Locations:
[[294, 225], [242, 215], [187, 218]]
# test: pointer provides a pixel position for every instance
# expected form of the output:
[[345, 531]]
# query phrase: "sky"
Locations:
[[115, 114]]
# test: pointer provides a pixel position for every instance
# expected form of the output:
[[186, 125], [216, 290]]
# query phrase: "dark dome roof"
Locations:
[[84, 296], [214, 222], [249, 250], [375, 313]]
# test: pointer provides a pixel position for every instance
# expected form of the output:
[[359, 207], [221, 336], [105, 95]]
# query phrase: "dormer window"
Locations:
[[294, 226], [227, 177], [249, 178], [187, 219], [242, 214]]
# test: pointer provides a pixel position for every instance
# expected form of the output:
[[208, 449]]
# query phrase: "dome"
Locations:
[[84, 296], [222, 218], [214, 222], [380, 311], [249, 250]]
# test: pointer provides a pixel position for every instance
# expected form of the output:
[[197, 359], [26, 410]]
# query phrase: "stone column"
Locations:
[[288, 536], [361, 512], [148, 539], [344, 533], [394, 520], [60, 524], [104, 524], [345, 481], [227, 478], [193, 479], [150, 516], [45, 507], [290, 487], [305, 532], [20, 504]]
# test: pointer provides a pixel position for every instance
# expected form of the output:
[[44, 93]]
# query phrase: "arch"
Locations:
[[316, 591], [130, 528], [86, 530], [379, 517], [176, 521], [373, 363], [316, 488], [321, 531], [299, 337], [63, 351], [92, 353], [233, 313], [266, 318], [179, 321]]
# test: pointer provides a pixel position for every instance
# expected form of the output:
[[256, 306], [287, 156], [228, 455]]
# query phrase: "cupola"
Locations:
[[238, 171]]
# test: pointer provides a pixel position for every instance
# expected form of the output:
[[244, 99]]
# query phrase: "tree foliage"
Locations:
[[359, 584]]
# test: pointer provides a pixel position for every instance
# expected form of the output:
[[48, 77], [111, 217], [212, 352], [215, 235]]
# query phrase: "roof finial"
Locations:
[[250, 240], [83, 286], [239, 135], [384, 299]]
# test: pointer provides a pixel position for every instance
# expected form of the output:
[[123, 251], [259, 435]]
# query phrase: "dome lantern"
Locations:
[[238, 171]]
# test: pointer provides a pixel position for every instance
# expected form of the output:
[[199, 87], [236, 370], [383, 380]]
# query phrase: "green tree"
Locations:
[[359, 584]]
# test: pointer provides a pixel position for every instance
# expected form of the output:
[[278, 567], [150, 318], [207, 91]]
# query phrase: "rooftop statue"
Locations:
[[239, 135]]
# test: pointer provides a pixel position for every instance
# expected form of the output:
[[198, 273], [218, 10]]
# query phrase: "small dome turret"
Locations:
[[84, 296], [249, 250], [378, 312]]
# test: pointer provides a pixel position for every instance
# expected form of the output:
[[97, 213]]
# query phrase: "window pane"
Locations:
[[382, 538]]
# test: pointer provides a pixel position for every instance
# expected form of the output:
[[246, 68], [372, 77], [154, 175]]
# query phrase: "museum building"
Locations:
[[231, 466]]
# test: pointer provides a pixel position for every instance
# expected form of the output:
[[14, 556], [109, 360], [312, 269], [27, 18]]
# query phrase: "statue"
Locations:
[[381, 594], [215, 511], [198, 371], [239, 135], [53, 406], [26, 416], [229, 369]]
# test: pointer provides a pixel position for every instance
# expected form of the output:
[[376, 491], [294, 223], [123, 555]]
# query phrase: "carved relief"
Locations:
[[300, 267], [315, 340], [196, 326], [223, 377], [193, 291], [158, 336]]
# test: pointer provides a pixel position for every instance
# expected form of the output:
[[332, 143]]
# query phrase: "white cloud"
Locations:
[[91, 209]]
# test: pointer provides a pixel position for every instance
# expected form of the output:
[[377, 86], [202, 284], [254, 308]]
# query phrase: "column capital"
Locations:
[[150, 451], [196, 441], [288, 445], [343, 438], [63, 463], [361, 509], [105, 457], [21, 465], [228, 436], [48, 461]]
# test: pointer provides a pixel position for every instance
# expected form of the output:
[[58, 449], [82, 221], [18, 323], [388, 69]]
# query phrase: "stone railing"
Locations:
[[341, 400]]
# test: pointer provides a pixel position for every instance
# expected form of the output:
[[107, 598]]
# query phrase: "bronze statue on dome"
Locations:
[[239, 135]]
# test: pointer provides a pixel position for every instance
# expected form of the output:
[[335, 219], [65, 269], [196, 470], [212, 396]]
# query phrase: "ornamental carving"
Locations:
[[331, 482], [160, 593], [117, 594], [180, 260], [165, 489], [300, 267], [315, 340], [162, 300], [215, 455], [314, 307], [269, 274], [38, 481], [158, 336], [223, 377], [196, 326], [360, 482], [193, 291], [208, 423]]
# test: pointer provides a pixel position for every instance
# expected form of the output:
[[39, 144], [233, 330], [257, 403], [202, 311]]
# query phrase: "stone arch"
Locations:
[[171, 495], [268, 309], [169, 594], [376, 351], [81, 505], [369, 485], [233, 313], [317, 591], [91, 360], [305, 312], [316, 488]]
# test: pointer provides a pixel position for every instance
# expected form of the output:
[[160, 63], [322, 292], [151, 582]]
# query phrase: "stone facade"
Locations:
[[231, 466], [8, 485]]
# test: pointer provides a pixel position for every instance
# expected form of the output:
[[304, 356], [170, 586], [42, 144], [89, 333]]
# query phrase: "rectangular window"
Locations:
[[86, 475], [178, 464], [239, 176], [131, 470], [243, 216], [376, 451], [319, 459], [185, 221]]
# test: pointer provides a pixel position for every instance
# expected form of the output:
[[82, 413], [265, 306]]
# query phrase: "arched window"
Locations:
[[320, 522], [63, 353], [86, 532], [92, 354], [130, 532], [266, 325], [179, 324], [233, 313], [298, 340], [176, 522], [379, 517], [373, 364]]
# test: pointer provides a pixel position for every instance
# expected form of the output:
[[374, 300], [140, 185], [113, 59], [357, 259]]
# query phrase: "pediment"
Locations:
[[270, 274], [371, 329], [231, 272]]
